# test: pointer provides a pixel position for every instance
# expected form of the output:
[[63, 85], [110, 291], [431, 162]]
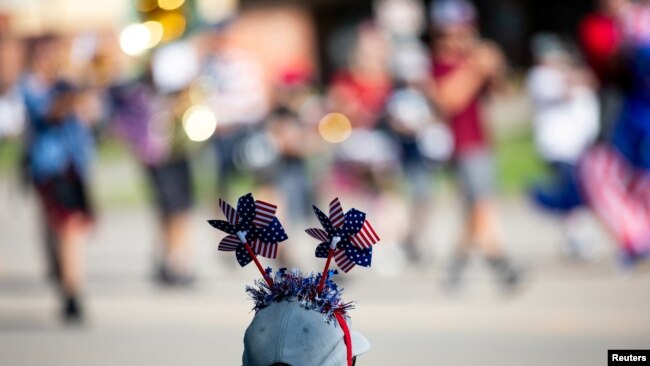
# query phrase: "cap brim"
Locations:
[[360, 344]]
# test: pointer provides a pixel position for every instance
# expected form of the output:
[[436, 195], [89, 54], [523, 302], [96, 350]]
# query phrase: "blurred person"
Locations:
[[616, 176], [295, 139], [401, 19], [235, 91], [565, 117], [148, 116], [465, 67], [409, 115], [359, 90], [294, 142], [408, 119], [59, 150], [365, 164], [289, 173], [601, 38]]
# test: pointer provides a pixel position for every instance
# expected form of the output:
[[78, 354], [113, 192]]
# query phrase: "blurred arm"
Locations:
[[455, 90]]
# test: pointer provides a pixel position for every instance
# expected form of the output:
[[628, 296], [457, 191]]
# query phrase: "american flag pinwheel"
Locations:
[[348, 238], [252, 230]]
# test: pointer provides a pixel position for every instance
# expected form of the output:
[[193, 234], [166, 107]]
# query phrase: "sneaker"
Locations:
[[508, 276], [72, 312], [453, 281], [169, 277]]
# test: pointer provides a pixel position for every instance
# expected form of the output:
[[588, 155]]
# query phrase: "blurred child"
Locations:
[[359, 91], [565, 119], [59, 152], [295, 140], [236, 92], [409, 114], [149, 120], [465, 67]]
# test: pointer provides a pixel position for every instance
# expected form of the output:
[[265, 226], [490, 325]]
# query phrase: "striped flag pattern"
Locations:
[[257, 219], [229, 243], [344, 263], [229, 212], [264, 213], [618, 197], [336, 213], [366, 237], [318, 234], [356, 236], [268, 250]]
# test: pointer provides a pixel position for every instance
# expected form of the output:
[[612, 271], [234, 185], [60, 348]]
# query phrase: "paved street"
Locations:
[[566, 314]]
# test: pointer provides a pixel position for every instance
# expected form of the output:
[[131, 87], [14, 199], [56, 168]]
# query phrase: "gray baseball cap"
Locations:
[[286, 332]]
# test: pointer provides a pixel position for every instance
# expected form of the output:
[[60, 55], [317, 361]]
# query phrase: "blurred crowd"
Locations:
[[406, 98]]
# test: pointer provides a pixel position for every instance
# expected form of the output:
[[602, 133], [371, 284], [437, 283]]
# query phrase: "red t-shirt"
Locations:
[[467, 124], [367, 95]]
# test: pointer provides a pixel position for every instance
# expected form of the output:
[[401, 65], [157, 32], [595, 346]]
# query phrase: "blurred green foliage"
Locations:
[[517, 162]]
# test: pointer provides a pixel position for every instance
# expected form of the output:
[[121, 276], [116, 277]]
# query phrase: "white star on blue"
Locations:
[[352, 224], [273, 233]]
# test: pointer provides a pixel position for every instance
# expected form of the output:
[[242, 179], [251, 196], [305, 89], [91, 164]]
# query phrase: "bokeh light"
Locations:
[[170, 4], [135, 39], [199, 123], [146, 5], [173, 25], [334, 127], [155, 32]]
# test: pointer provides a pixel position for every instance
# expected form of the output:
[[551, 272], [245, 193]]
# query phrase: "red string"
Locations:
[[346, 335]]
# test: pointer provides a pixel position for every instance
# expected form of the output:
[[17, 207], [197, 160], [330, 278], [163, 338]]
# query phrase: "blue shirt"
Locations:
[[53, 148]]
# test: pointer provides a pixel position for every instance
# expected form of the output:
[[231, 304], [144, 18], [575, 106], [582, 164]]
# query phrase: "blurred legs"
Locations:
[[71, 238], [176, 243], [174, 267]]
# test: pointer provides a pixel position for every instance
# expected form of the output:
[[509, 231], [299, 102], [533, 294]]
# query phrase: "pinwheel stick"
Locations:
[[242, 237], [321, 284]]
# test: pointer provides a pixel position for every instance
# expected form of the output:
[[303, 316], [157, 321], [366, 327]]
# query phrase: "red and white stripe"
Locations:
[[268, 250], [366, 237], [641, 187], [336, 213], [318, 234], [229, 243], [264, 213], [231, 213], [342, 261], [610, 186]]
